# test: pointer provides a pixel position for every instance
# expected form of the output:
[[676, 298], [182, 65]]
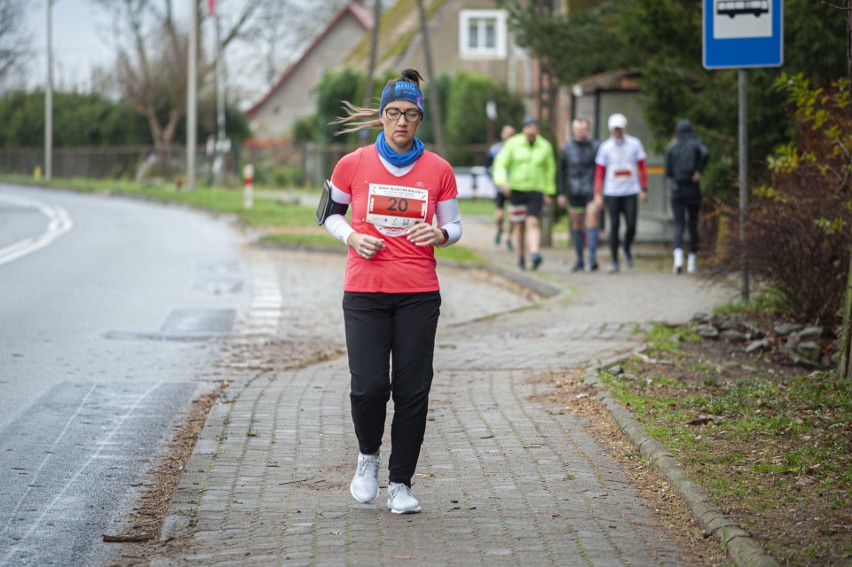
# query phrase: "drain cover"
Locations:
[[199, 321], [185, 325]]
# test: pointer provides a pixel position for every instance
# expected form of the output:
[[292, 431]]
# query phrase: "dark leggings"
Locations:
[[397, 328], [618, 206], [686, 211]]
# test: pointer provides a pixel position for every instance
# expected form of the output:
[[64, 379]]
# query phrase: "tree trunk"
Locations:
[[371, 65], [844, 369], [434, 100]]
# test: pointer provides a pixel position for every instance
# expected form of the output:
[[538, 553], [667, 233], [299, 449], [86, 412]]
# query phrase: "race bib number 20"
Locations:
[[395, 207]]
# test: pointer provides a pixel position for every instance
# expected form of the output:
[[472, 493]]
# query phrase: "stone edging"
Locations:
[[737, 542]]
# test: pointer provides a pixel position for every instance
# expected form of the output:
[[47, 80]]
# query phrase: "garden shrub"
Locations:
[[799, 226]]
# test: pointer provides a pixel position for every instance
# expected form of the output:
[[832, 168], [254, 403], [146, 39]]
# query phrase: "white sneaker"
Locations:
[[365, 484], [400, 500], [678, 260], [691, 262]]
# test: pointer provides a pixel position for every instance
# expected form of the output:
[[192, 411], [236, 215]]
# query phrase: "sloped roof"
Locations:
[[399, 26], [617, 79], [354, 8]]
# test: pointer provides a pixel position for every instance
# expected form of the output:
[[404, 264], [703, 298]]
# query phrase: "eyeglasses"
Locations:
[[411, 115]]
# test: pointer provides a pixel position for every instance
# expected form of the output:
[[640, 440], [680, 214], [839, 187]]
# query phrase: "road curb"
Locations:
[[737, 542]]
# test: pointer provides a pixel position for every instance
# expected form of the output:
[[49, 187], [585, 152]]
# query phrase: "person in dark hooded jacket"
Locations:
[[685, 159]]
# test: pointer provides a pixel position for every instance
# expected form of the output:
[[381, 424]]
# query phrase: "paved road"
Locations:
[[106, 307], [502, 479]]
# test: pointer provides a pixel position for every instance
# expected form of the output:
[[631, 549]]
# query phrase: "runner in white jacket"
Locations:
[[621, 176]]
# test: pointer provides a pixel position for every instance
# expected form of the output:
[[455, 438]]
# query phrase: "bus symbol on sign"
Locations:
[[742, 18], [733, 8], [743, 33]]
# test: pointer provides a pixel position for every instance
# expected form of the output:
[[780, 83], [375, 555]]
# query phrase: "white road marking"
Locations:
[[59, 223], [100, 446], [267, 302], [48, 457]]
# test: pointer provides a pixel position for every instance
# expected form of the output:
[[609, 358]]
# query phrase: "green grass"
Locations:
[[460, 255], [476, 207], [272, 209], [665, 339], [766, 300], [768, 433]]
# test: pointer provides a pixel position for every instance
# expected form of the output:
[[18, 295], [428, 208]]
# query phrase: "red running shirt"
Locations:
[[384, 206]]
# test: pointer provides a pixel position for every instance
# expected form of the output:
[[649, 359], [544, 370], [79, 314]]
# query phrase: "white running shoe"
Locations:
[[678, 260], [400, 500], [365, 484], [691, 262]]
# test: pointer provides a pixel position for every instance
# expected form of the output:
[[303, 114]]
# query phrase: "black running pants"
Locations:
[[686, 214], [618, 206], [390, 339]]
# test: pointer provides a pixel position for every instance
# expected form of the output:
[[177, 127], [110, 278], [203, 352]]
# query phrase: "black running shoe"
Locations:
[[536, 261]]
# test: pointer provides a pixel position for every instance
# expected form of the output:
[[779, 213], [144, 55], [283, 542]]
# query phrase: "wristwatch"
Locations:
[[446, 235]]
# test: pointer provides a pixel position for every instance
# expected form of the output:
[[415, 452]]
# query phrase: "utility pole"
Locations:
[[48, 98], [221, 147], [191, 98]]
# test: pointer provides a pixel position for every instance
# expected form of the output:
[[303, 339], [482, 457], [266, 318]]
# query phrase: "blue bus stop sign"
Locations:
[[743, 33]]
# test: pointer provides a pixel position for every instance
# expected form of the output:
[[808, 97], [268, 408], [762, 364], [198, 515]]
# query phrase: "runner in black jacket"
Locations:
[[685, 160], [575, 175]]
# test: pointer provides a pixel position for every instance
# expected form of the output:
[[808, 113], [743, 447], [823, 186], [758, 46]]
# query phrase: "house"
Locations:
[[293, 96], [470, 35]]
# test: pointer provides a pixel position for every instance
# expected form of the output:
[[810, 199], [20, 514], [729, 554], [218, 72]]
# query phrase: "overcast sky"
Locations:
[[83, 40], [81, 35]]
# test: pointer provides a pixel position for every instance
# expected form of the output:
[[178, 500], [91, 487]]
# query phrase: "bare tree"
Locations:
[[374, 52], [151, 59], [14, 43], [274, 39]]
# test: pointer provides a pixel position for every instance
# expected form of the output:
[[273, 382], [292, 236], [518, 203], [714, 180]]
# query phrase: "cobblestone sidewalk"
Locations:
[[502, 479]]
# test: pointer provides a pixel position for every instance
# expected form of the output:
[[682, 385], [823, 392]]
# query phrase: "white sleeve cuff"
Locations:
[[447, 214]]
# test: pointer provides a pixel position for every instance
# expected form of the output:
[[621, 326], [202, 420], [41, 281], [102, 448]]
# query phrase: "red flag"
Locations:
[[211, 7]]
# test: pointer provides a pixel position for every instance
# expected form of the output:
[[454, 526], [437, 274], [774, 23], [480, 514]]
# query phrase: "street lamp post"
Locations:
[[191, 100], [48, 98]]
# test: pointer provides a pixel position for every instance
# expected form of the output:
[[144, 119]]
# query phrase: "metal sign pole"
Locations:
[[743, 142], [739, 35]]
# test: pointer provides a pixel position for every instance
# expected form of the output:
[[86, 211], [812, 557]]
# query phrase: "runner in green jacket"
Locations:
[[525, 170]]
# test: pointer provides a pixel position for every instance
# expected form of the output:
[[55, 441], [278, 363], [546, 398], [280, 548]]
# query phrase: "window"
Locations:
[[482, 34]]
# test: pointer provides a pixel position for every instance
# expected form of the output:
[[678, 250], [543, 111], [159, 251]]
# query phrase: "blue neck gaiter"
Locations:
[[395, 159]]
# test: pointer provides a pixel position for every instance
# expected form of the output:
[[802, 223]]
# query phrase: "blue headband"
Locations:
[[401, 90]]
